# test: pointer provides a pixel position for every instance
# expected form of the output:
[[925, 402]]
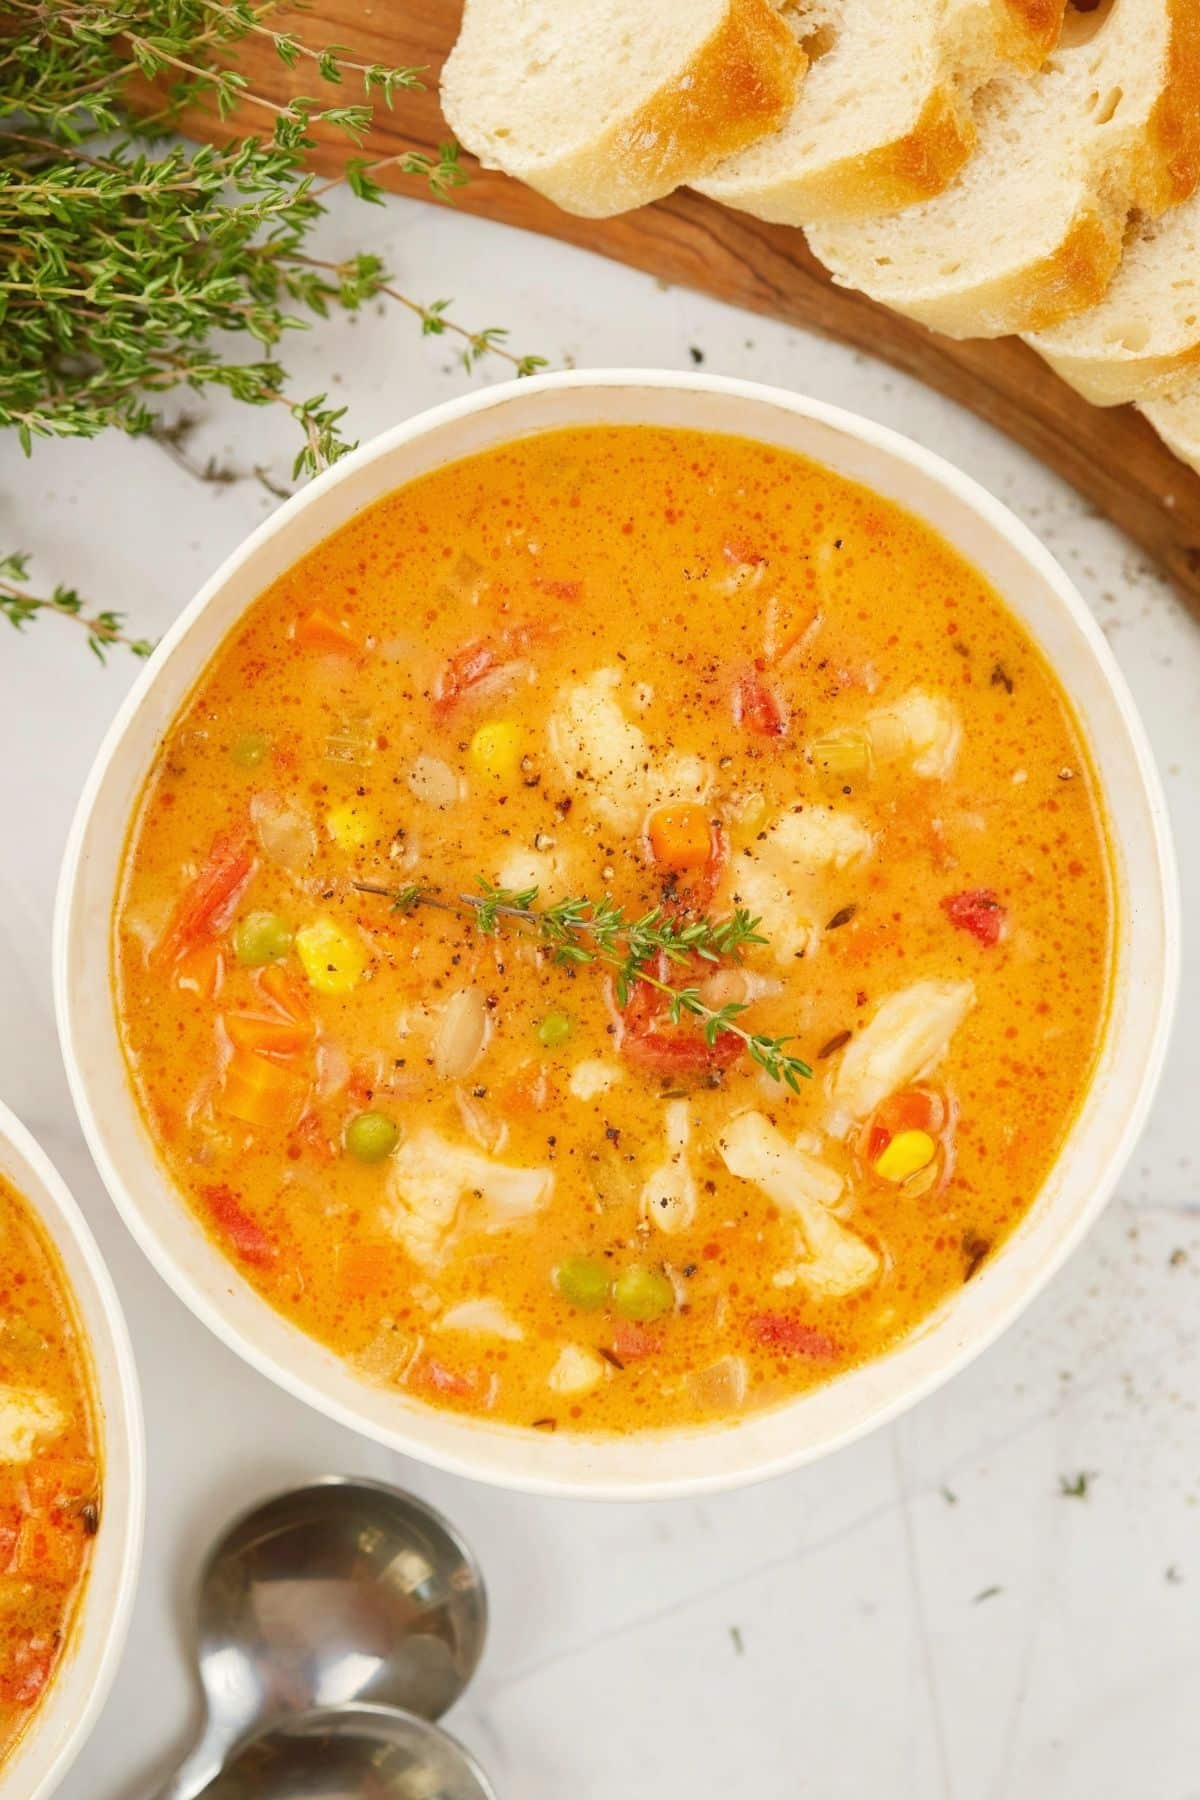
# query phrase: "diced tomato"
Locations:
[[476, 660], [758, 708], [25, 1668], [792, 1335], [631, 1342], [319, 630], [650, 1042], [245, 1236], [207, 903], [980, 913], [740, 552]]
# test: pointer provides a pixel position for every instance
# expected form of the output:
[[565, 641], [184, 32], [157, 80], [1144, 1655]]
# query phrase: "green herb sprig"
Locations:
[[132, 264], [580, 930]]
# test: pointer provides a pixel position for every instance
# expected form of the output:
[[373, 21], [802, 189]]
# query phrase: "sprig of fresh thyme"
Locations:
[[130, 263], [19, 606], [580, 930]]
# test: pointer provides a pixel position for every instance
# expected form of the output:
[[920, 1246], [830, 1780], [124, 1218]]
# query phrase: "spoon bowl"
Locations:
[[343, 1592], [355, 1753]]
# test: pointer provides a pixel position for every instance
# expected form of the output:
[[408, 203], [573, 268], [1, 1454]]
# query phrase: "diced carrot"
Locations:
[[258, 1091], [529, 1090], [49, 1552], [368, 1269], [268, 1037], [681, 837], [207, 903], [200, 970], [59, 1483], [244, 1235], [630, 1342], [282, 988], [319, 630]]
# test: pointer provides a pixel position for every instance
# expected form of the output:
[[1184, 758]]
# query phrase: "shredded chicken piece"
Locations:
[[904, 1041], [25, 1417], [836, 1261], [605, 753], [669, 1195]]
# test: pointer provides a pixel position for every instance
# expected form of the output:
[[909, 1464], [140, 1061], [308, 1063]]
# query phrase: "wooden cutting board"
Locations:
[[1112, 456]]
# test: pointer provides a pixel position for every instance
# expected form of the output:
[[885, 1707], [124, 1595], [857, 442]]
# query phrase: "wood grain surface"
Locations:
[[1112, 456]]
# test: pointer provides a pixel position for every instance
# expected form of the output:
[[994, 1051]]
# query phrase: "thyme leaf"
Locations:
[[580, 930]]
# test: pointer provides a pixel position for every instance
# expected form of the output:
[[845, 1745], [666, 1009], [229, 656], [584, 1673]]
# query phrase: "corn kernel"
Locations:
[[332, 959], [907, 1152], [352, 827], [496, 750]]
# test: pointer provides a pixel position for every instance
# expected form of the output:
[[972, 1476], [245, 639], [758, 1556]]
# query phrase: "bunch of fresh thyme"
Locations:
[[628, 946], [128, 258]]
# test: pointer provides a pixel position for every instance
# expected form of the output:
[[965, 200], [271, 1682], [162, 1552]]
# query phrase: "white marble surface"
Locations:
[[926, 1615]]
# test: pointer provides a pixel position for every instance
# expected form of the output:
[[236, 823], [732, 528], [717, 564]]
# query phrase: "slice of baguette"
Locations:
[[1031, 231], [884, 117], [1144, 335], [603, 105], [1176, 418]]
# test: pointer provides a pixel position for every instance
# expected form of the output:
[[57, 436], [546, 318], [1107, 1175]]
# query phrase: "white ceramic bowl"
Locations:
[[1112, 1114], [72, 1702]]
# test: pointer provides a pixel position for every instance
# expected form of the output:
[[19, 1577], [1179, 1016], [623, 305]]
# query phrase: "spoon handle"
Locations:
[[200, 1766]]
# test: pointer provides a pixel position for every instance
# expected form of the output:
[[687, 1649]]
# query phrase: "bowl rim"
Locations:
[[114, 1369], [891, 444]]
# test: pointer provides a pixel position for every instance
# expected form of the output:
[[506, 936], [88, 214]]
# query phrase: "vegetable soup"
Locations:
[[49, 1465], [618, 933]]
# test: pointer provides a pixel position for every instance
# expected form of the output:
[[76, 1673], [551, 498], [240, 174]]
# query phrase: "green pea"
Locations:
[[642, 1294], [554, 1030], [583, 1282], [370, 1136], [249, 749], [261, 937]]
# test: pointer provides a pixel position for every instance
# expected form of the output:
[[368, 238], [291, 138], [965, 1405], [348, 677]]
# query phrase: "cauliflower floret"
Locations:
[[669, 1195], [575, 1371], [922, 729], [599, 748], [428, 1180], [26, 1416], [836, 1261], [907, 1037], [784, 879]]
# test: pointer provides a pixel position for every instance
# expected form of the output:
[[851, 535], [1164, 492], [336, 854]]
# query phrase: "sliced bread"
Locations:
[[1176, 418], [1031, 231], [603, 105], [1145, 334], [884, 118]]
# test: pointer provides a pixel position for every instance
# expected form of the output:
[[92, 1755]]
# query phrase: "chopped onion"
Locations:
[[285, 834], [462, 1034], [433, 782], [484, 1315], [721, 1387]]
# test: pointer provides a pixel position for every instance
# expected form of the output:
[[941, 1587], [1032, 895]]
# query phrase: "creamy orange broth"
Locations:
[[509, 670], [49, 1465]]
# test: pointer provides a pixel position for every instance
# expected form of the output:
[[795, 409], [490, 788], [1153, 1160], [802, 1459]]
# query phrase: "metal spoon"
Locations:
[[354, 1753], [341, 1592]]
